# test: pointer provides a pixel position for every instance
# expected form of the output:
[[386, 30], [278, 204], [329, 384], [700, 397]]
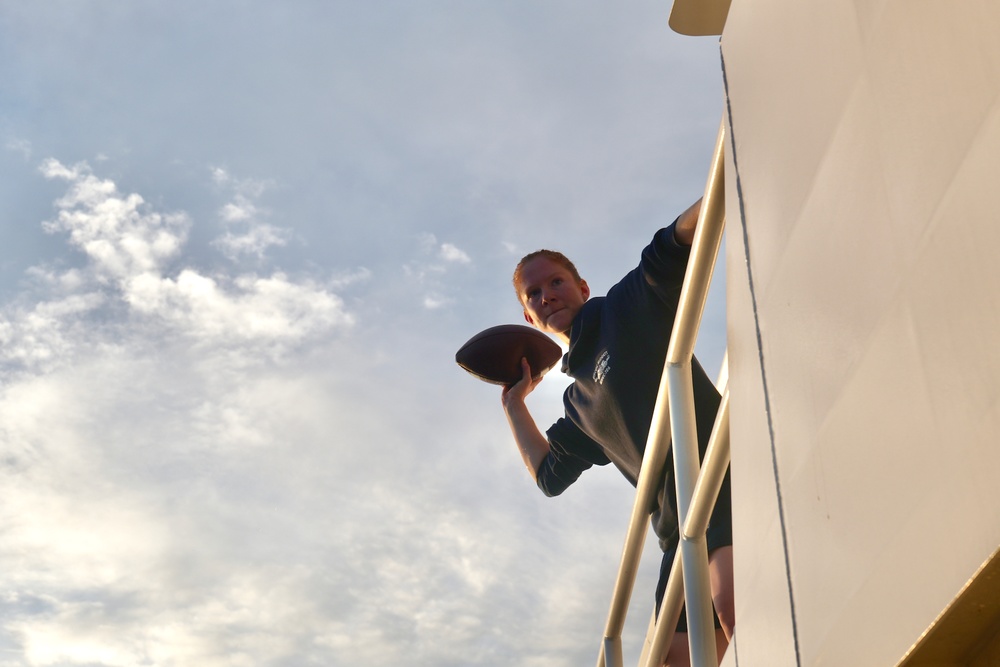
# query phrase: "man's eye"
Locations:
[[557, 282]]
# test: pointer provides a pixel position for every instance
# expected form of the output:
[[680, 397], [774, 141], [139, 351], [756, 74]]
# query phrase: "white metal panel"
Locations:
[[867, 138], [763, 607]]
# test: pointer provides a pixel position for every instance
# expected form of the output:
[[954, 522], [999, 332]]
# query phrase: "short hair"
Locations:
[[552, 255]]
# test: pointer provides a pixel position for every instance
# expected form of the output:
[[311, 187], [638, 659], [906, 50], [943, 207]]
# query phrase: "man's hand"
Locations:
[[520, 390], [687, 224]]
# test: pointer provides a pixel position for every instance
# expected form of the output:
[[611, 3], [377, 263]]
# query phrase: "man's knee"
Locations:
[[678, 655]]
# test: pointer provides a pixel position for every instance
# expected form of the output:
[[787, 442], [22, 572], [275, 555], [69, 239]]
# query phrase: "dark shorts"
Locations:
[[719, 534]]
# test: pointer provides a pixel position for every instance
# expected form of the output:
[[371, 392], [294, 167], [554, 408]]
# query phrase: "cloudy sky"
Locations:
[[241, 242]]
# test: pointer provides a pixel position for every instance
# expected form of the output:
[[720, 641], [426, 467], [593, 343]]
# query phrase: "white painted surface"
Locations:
[[867, 139]]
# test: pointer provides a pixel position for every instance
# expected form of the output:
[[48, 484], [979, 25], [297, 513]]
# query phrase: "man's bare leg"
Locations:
[[720, 572], [678, 655]]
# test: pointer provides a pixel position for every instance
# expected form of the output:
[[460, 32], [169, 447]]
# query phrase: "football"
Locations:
[[494, 355]]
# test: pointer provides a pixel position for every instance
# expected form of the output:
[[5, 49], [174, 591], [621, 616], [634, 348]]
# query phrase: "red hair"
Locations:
[[551, 255]]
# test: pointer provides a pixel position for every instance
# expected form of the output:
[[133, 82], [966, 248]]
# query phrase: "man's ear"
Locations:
[[585, 289], [527, 318]]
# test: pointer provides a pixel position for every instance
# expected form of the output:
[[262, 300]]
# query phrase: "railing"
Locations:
[[697, 489]]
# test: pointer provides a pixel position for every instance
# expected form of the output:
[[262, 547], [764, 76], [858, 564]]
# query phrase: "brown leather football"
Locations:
[[494, 355]]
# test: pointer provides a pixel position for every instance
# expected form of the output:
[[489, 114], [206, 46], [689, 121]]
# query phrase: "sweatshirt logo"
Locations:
[[602, 367]]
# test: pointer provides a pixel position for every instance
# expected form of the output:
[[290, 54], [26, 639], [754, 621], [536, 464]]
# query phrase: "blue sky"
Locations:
[[241, 244]]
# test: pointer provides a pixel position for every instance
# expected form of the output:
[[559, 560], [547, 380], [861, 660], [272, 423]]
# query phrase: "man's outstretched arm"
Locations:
[[534, 446]]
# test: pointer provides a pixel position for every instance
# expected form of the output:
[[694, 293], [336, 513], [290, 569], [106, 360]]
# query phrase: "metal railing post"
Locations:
[[687, 463], [693, 548]]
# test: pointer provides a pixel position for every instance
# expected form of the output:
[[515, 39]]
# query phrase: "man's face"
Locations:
[[550, 296]]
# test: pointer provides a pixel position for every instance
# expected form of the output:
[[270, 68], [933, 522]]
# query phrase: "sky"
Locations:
[[241, 243]]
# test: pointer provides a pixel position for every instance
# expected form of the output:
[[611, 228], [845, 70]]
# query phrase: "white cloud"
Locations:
[[435, 301], [254, 242], [248, 307], [451, 253], [121, 236], [248, 235], [245, 189], [47, 331], [427, 242], [130, 248], [347, 278], [22, 146], [237, 212], [179, 515], [220, 175], [430, 270]]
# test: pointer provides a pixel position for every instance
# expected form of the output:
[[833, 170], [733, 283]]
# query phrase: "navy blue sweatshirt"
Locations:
[[618, 344]]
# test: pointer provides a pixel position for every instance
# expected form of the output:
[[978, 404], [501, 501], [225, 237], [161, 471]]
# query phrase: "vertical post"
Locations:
[[694, 549], [683, 422]]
